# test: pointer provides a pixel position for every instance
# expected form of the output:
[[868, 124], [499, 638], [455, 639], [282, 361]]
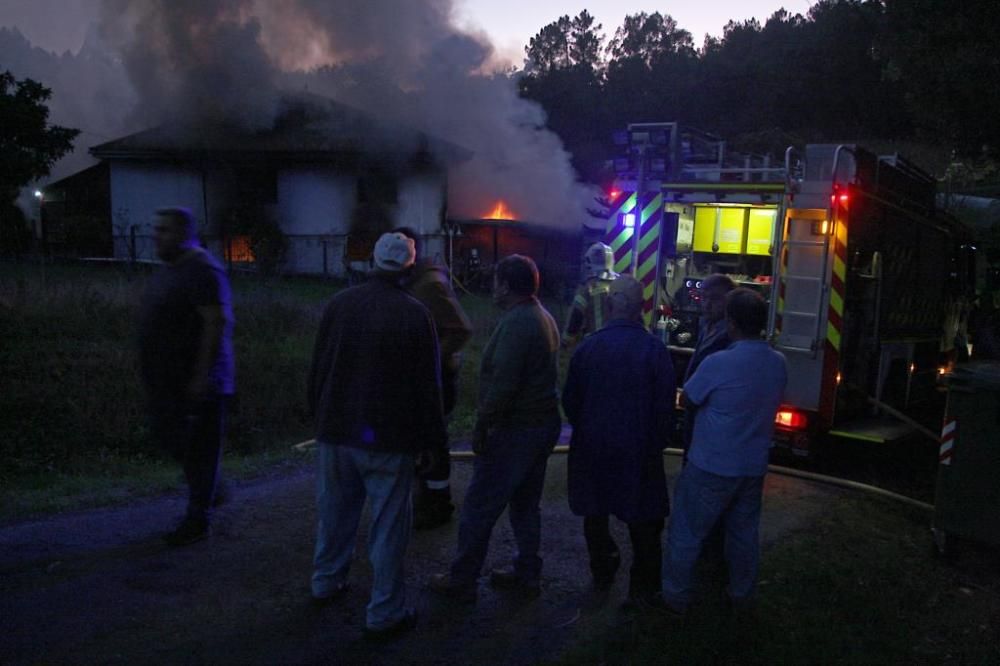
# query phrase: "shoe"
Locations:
[[222, 494], [606, 578], [398, 628], [654, 605], [428, 519], [507, 579], [336, 595], [189, 531], [443, 585]]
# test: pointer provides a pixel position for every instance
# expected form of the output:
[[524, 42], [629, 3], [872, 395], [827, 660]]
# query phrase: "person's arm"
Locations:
[[508, 361], [572, 396], [210, 296], [665, 391], [575, 317], [453, 326], [427, 387], [213, 326], [319, 367], [699, 385]]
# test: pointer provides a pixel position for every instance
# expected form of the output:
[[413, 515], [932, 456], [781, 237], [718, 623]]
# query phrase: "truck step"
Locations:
[[874, 429]]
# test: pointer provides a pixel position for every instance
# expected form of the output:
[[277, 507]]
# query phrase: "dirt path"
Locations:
[[99, 586]]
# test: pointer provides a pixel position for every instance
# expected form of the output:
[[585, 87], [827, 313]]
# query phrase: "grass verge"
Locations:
[[860, 587]]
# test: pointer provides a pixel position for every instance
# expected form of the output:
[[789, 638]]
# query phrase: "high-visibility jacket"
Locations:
[[589, 311]]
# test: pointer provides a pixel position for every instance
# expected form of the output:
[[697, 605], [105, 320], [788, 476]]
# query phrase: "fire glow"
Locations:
[[500, 212]]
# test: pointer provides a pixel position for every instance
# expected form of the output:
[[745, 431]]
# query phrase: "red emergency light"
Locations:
[[790, 419], [614, 194]]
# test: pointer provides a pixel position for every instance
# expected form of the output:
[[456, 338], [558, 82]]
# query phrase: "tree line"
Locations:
[[923, 71]]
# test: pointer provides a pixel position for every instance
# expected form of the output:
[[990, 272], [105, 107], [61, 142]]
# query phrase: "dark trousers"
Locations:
[[432, 492], [644, 577], [509, 474], [192, 434]]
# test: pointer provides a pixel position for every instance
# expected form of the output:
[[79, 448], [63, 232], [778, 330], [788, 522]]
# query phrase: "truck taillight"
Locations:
[[791, 419]]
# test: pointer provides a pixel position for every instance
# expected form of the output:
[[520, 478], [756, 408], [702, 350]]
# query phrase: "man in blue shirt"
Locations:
[[736, 392]]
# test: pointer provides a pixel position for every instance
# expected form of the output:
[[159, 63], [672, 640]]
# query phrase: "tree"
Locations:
[[648, 37], [29, 146], [565, 43]]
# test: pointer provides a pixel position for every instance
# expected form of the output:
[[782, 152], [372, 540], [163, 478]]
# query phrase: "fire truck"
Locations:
[[865, 279]]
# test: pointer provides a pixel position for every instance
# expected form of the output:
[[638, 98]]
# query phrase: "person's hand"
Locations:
[[426, 461]]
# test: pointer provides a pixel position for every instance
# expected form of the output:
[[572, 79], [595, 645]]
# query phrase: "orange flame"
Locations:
[[500, 212]]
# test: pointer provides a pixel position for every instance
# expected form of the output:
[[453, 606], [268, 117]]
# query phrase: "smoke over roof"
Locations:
[[228, 61]]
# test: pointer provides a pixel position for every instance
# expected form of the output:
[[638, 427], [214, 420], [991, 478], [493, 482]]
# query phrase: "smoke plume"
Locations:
[[191, 61]]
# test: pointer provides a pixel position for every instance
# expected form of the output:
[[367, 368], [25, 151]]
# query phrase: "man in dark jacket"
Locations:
[[619, 397], [375, 389], [186, 357], [428, 282], [516, 429]]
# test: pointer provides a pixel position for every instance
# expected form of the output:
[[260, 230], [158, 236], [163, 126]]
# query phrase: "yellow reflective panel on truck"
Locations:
[[760, 231], [719, 229]]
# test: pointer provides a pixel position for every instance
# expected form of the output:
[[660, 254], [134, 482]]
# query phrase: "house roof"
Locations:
[[307, 127]]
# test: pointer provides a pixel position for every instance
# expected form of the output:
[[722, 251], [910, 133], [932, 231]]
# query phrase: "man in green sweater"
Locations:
[[517, 427]]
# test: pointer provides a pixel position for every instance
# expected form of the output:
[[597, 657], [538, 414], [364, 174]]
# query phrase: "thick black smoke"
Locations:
[[191, 61]]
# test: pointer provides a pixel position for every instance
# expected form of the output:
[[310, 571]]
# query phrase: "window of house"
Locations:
[[238, 250]]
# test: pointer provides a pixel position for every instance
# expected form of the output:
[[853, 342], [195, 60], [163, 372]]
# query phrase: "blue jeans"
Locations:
[[702, 499], [511, 473], [346, 476]]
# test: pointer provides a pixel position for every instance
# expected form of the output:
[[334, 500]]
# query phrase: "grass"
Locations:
[[859, 587], [72, 426]]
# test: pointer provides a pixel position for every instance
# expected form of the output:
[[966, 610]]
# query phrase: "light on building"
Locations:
[[38, 194]]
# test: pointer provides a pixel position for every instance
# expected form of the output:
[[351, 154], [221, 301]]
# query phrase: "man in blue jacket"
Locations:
[[619, 398], [737, 392], [375, 388]]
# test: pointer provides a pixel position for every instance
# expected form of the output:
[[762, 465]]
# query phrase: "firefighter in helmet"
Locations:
[[589, 310]]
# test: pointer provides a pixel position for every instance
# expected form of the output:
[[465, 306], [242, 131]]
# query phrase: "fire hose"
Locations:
[[774, 469]]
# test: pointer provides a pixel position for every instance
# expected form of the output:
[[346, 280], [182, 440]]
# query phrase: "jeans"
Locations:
[[644, 577], [192, 434], [510, 473], [702, 499], [348, 475]]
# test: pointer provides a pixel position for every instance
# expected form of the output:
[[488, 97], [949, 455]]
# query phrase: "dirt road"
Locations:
[[100, 587]]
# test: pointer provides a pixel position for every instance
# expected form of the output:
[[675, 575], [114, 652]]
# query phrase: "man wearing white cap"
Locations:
[[375, 391]]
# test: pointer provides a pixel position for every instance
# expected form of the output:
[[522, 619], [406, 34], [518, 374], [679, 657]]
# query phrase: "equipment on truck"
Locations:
[[861, 272]]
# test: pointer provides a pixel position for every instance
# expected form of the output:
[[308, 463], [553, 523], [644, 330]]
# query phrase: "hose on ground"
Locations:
[[774, 469]]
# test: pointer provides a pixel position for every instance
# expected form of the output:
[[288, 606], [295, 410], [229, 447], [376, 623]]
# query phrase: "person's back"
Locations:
[[375, 388], [526, 338], [738, 391], [619, 402], [370, 333]]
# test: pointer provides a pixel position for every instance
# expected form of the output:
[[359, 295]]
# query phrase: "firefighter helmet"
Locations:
[[599, 261]]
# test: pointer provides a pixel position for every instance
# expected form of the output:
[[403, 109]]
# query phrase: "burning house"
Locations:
[[329, 178]]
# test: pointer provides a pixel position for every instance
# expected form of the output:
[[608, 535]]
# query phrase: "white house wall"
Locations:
[[138, 189], [314, 210], [420, 203]]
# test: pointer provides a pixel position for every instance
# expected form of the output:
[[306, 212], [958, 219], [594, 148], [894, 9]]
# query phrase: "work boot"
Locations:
[[446, 586], [433, 509], [508, 579], [604, 573], [190, 530], [395, 630]]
